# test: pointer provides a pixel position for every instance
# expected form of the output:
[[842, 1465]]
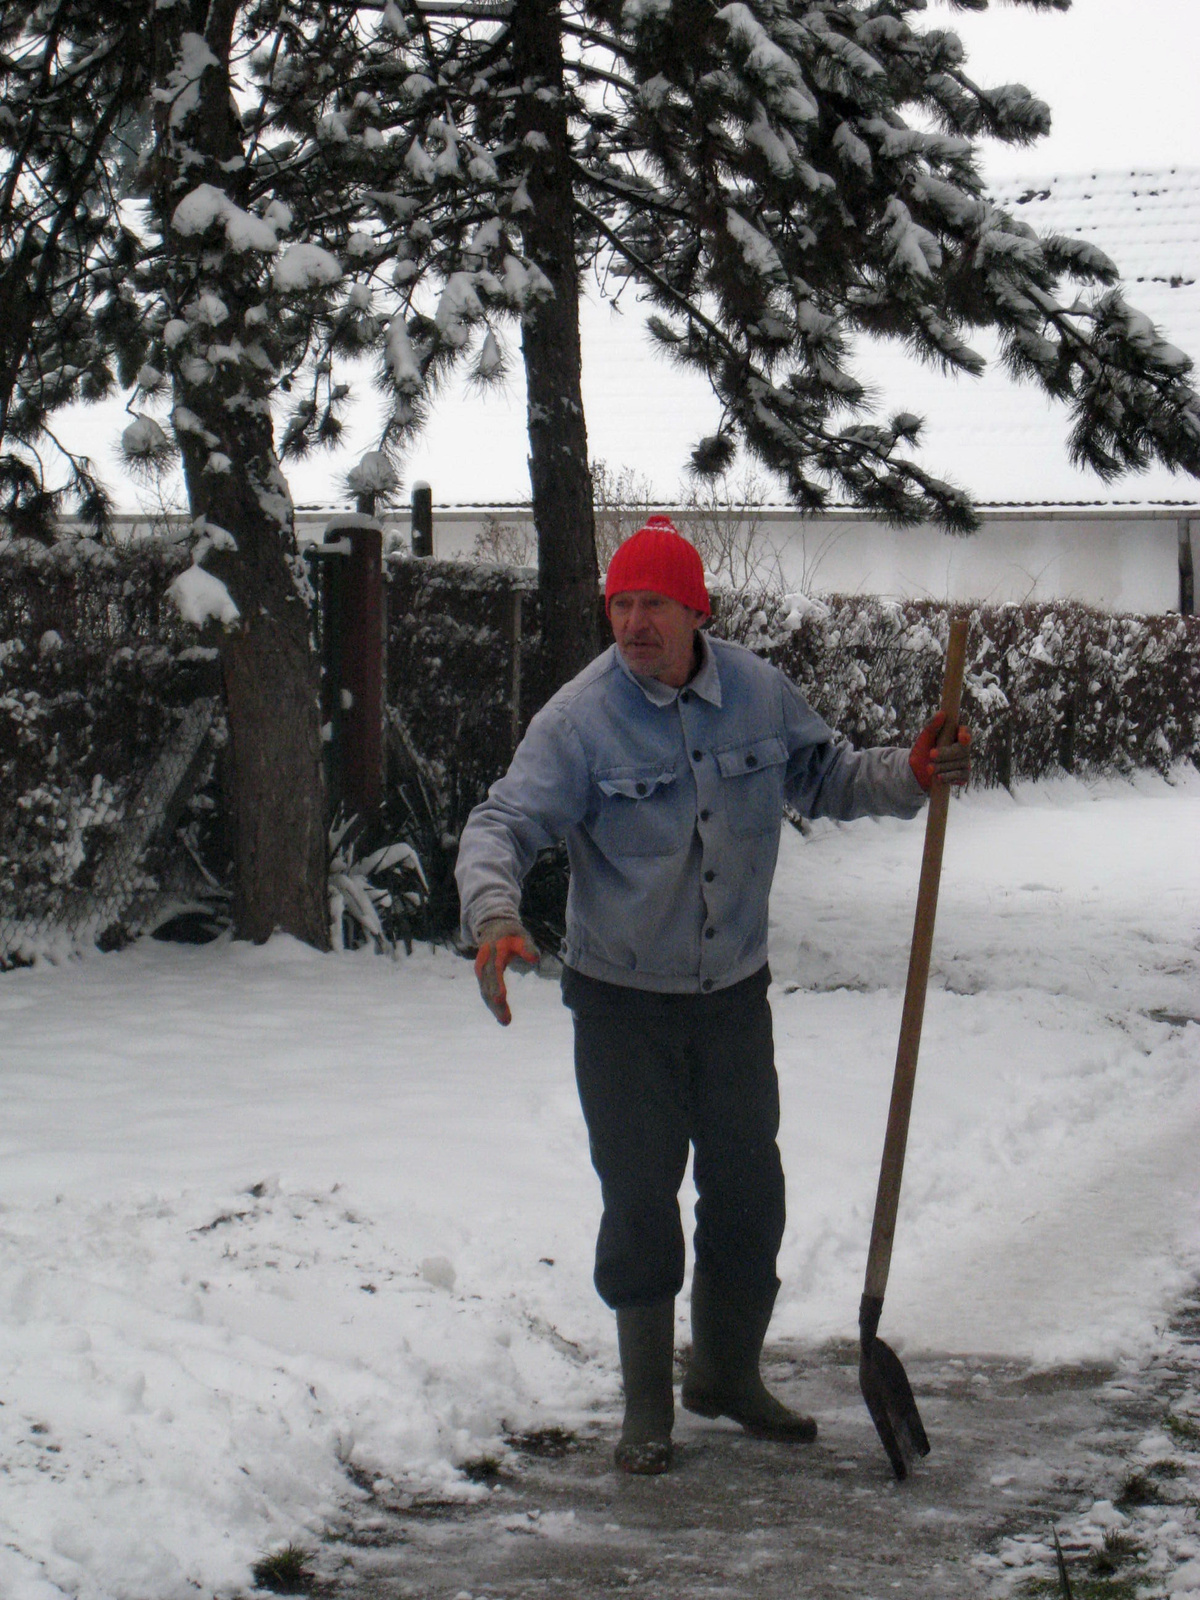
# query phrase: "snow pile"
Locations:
[[207, 205], [374, 474], [305, 266], [279, 1225], [144, 440], [199, 597]]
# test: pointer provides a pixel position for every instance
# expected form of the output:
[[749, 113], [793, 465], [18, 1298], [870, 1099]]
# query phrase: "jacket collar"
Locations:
[[706, 683]]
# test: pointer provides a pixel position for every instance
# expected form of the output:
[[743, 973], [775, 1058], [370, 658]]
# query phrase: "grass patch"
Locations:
[[285, 1571], [1084, 1586], [483, 1469], [550, 1443], [1117, 1547], [1184, 1430], [1139, 1489], [1146, 1486], [1097, 1578]]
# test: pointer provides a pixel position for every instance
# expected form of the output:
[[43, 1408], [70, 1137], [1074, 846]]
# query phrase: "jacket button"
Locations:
[[640, 787], [697, 755], [706, 985], [709, 875], [710, 933], [751, 760], [704, 816]]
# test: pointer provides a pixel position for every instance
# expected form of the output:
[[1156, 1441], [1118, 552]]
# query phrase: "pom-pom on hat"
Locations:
[[659, 558]]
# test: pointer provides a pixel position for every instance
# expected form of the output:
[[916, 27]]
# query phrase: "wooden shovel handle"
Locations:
[[887, 1198]]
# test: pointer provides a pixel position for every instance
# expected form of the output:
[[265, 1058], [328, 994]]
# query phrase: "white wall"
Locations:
[[1118, 560], [1120, 563]]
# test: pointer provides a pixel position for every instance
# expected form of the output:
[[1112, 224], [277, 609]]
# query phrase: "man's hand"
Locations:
[[951, 762], [502, 942]]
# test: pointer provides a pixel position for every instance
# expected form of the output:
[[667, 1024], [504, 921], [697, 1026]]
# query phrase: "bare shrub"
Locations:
[[622, 499], [723, 518], [505, 544]]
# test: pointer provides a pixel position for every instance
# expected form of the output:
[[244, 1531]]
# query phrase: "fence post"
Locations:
[[515, 646], [422, 519], [351, 565], [1187, 570]]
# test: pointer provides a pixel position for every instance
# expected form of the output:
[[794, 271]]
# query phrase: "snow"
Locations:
[[490, 364], [913, 248], [270, 1216], [401, 358], [184, 91], [200, 597], [305, 266], [206, 205], [144, 438], [757, 250], [764, 58], [374, 472], [457, 308]]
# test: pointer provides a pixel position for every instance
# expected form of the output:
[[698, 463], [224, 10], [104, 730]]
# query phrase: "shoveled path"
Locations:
[[1013, 1451]]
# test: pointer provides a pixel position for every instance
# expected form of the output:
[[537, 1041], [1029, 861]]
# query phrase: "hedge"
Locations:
[[1054, 686], [96, 670]]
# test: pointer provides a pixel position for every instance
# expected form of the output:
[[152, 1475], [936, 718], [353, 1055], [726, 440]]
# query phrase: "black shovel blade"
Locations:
[[888, 1393]]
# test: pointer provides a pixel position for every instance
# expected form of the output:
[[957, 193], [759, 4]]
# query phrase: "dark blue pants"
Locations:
[[660, 1072]]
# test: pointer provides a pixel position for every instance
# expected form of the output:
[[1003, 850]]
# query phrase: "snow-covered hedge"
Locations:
[[452, 643], [1050, 687], [96, 671]]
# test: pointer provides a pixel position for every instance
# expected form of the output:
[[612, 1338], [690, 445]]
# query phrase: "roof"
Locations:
[[1003, 442]]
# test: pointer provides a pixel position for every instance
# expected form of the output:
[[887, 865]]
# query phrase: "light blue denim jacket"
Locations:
[[671, 802]]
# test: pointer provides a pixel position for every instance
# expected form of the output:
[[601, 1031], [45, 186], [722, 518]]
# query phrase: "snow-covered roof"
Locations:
[[1002, 441]]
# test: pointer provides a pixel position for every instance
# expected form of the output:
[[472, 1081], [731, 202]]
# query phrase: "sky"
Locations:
[[1122, 94], [1118, 75]]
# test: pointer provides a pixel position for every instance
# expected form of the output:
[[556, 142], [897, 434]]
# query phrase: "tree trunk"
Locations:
[[568, 578], [279, 803], [223, 424]]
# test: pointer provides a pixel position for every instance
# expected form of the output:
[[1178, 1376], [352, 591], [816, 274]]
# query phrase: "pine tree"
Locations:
[[218, 336], [69, 104], [184, 294], [784, 181]]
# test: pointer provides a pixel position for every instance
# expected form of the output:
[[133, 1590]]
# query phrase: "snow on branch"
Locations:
[[759, 253], [305, 266], [199, 597], [207, 205]]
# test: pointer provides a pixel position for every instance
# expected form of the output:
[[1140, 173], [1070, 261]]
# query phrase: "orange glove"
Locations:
[[949, 762], [502, 942]]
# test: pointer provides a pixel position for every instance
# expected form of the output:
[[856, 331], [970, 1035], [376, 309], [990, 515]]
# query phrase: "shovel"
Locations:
[[881, 1377]]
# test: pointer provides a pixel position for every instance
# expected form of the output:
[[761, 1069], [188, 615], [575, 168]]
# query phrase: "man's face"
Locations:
[[656, 636]]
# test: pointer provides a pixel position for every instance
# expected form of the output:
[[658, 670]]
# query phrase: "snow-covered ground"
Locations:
[[271, 1219]]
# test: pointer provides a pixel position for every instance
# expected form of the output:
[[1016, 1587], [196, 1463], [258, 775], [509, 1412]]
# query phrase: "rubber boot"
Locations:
[[723, 1380], [646, 1339]]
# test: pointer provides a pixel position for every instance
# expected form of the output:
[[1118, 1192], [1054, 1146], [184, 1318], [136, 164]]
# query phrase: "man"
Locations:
[[665, 765]]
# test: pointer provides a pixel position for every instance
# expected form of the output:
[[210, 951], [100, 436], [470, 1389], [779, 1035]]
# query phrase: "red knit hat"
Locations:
[[659, 558]]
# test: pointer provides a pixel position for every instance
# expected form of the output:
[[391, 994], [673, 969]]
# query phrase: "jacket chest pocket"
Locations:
[[642, 812], [752, 774]]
